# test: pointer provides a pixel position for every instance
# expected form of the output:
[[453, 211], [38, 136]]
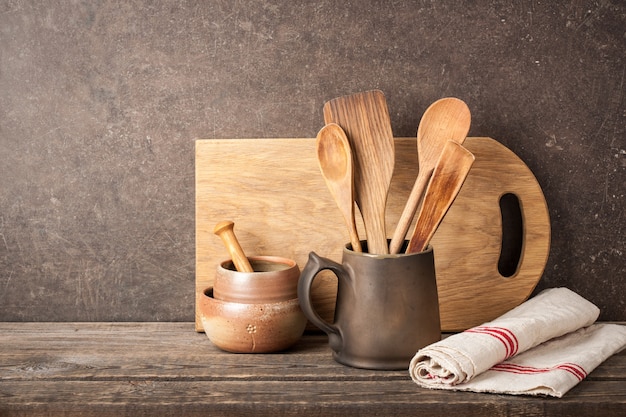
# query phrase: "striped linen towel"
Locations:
[[544, 346]]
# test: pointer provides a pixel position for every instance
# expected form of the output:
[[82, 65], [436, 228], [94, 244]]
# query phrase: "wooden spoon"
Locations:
[[446, 119], [335, 160], [225, 231], [445, 183], [364, 117]]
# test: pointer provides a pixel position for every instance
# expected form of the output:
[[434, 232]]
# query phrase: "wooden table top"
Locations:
[[120, 369]]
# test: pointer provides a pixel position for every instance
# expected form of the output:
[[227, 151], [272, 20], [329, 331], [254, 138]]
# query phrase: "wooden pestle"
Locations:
[[224, 230]]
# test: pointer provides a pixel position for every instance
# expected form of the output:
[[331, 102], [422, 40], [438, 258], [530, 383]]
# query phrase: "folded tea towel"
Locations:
[[543, 346]]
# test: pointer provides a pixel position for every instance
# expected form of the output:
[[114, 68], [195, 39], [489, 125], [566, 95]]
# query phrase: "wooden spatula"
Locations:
[[445, 183], [446, 119], [365, 119]]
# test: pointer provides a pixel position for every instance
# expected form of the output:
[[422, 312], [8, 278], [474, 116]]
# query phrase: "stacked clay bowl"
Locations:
[[254, 312]]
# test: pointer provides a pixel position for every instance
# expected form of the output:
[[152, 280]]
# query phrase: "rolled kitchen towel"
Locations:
[[499, 357]]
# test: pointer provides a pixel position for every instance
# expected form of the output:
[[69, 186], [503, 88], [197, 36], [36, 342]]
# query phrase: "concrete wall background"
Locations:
[[100, 103]]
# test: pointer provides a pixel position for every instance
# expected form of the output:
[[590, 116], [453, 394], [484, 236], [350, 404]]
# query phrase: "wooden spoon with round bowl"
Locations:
[[446, 119], [335, 160]]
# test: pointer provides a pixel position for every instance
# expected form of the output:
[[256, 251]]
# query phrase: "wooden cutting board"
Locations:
[[274, 192]]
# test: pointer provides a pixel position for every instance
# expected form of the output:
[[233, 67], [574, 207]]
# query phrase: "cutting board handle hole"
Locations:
[[512, 235]]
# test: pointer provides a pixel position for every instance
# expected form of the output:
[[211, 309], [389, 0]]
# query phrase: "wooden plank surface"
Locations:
[[128, 369], [302, 398], [274, 192]]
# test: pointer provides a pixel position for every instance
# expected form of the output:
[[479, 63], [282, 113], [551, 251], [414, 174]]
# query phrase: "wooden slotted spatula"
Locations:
[[364, 117], [445, 183]]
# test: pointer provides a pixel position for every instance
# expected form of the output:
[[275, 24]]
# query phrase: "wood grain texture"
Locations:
[[278, 198], [445, 183], [365, 119], [469, 240], [167, 369]]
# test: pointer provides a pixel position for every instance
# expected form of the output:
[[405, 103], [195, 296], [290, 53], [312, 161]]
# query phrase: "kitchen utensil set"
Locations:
[[355, 151]]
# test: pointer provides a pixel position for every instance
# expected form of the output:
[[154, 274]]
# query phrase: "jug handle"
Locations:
[[314, 266]]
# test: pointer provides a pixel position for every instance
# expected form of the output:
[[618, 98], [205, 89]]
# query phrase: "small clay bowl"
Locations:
[[251, 328], [274, 279]]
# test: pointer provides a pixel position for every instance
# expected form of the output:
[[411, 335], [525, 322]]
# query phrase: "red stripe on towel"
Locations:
[[572, 368], [507, 337]]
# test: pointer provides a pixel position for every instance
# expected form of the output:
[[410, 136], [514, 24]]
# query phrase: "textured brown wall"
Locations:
[[100, 103]]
